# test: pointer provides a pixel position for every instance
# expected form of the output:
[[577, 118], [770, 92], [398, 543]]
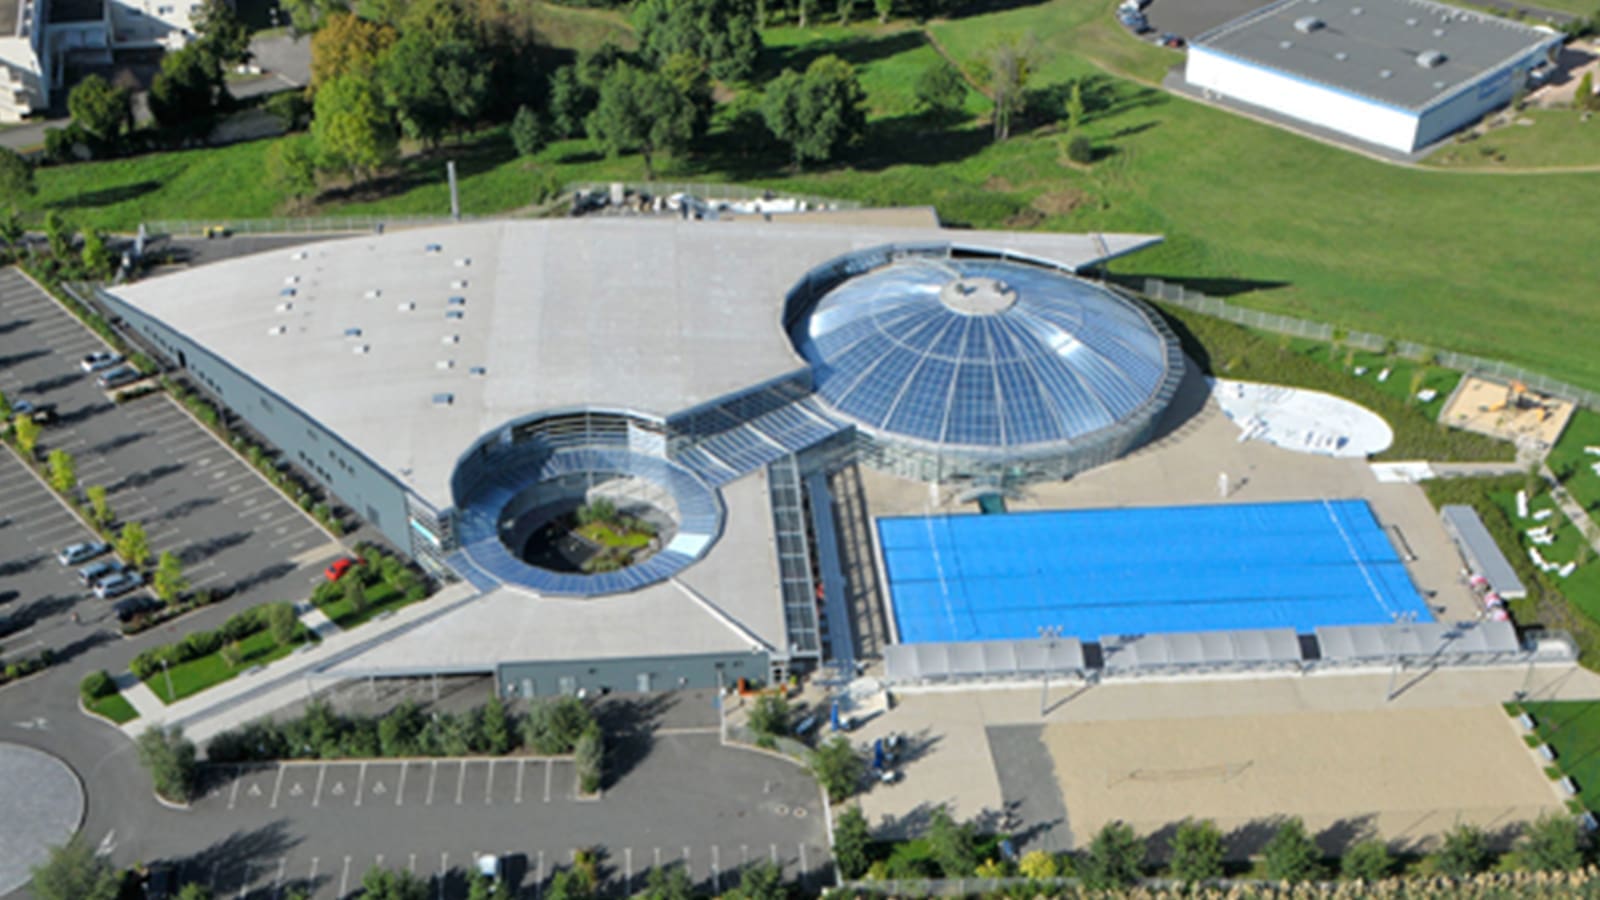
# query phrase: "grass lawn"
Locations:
[[1472, 262], [116, 708], [1572, 728], [1403, 374], [608, 535], [1572, 465], [1556, 137], [381, 598], [580, 29], [196, 675]]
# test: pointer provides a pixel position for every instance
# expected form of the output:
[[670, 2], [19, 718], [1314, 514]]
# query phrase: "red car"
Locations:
[[338, 567]]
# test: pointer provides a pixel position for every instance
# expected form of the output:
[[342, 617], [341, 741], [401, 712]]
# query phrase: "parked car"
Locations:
[[99, 361], [96, 572], [1174, 41], [128, 607], [83, 551], [118, 377], [42, 413], [338, 567], [489, 866], [117, 585]]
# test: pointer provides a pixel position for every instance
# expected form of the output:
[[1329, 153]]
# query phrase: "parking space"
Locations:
[[38, 595], [321, 825], [232, 530]]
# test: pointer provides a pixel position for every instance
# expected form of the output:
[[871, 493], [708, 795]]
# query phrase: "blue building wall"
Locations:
[[356, 481], [546, 678]]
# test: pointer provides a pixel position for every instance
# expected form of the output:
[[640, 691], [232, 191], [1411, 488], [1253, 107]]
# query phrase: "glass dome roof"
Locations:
[[981, 353]]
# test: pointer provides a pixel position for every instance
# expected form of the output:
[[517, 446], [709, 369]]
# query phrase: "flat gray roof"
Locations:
[[1360, 40], [649, 315], [726, 602], [1480, 551]]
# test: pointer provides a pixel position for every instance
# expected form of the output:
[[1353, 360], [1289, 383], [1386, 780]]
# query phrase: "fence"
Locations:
[[1177, 295], [292, 225], [710, 191]]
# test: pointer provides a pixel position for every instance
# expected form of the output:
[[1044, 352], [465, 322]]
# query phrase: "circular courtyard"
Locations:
[[41, 804]]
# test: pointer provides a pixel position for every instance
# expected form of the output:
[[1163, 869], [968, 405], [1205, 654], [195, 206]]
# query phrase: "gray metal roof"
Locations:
[[512, 317], [1419, 640], [1201, 648], [981, 353], [1481, 552], [1351, 44], [981, 659]]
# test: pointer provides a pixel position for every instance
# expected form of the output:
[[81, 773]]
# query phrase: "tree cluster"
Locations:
[[169, 757]]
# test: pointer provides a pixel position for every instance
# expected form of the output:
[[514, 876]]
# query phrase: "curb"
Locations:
[[83, 708], [363, 760]]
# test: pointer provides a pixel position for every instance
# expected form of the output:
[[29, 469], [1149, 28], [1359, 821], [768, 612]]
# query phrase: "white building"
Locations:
[[1398, 74], [39, 36]]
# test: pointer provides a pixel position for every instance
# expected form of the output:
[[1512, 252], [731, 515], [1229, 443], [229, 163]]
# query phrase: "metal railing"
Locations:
[[706, 190], [292, 225], [1178, 295]]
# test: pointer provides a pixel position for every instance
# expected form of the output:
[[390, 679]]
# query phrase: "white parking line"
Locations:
[[444, 872], [312, 877], [344, 879], [716, 870], [433, 774], [316, 797], [461, 781], [400, 794], [411, 863], [547, 767], [277, 880], [521, 765], [488, 785], [361, 783], [234, 794], [276, 784]]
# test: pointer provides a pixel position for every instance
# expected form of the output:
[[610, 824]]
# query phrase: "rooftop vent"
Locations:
[[1356, 10], [298, 255], [292, 279], [1438, 85], [454, 314], [451, 339], [458, 284], [373, 294], [285, 306], [407, 306], [1341, 56], [1386, 74], [1412, 21], [433, 248], [277, 330], [457, 301], [1430, 59], [444, 364], [1286, 44], [287, 292], [352, 332], [1308, 24], [443, 399], [478, 370], [463, 262]]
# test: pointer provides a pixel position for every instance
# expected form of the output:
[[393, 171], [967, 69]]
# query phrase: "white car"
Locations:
[[117, 585], [99, 361], [489, 866]]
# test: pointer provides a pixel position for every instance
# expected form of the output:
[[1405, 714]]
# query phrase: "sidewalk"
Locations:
[[258, 693], [141, 698]]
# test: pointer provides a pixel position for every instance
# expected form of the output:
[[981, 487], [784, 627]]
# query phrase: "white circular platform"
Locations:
[[1301, 420], [41, 804]]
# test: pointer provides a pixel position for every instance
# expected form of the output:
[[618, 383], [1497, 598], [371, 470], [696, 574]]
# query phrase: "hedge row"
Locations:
[[26, 666], [203, 643]]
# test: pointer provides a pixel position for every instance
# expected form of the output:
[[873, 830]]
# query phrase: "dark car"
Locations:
[[128, 607], [1174, 41], [41, 413], [118, 377], [96, 572]]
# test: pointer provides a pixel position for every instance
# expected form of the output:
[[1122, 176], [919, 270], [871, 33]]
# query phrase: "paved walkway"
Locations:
[[258, 693], [317, 621], [143, 700]]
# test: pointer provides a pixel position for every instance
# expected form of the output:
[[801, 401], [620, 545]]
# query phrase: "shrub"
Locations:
[[553, 726], [1551, 844], [96, 685], [1080, 149], [1290, 855], [952, 845], [589, 753], [1197, 851], [170, 759], [1038, 865], [1367, 860], [851, 838], [1115, 857], [838, 768], [770, 715], [1465, 852]]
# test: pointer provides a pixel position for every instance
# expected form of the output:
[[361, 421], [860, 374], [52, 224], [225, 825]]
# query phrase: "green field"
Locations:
[[115, 707], [381, 598], [608, 535], [1572, 729], [196, 675], [1555, 137], [1486, 264], [1572, 464]]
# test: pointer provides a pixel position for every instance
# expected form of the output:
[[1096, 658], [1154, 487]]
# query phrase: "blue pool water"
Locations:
[[1104, 572]]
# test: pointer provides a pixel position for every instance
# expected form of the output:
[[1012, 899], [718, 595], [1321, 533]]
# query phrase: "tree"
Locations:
[[351, 128], [589, 758], [884, 9], [722, 32], [1196, 851], [132, 545], [940, 89], [5, 408], [63, 471], [187, 93], [282, 622], [846, 7], [496, 727], [1010, 63], [1075, 109], [481, 887], [641, 111], [355, 593], [1115, 857], [96, 256], [668, 883], [58, 233], [1464, 853], [688, 73], [850, 839], [74, 871], [170, 759], [762, 881], [553, 726], [1367, 860], [950, 844], [27, 432], [100, 109], [290, 108], [569, 884], [16, 178], [221, 32], [1080, 149], [770, 715], [527, 132], [1038, 865], [1584, 97], [169, 582], [838, 768], [11, 227], [291, 167], [817, 114], [570, 101], [389, 884], [1290, 854], [464, 82], [347, 45], [1551, 844]]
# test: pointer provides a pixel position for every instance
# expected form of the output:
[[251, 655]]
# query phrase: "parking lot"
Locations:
[[232, 530], [37, 594], [321, 825]]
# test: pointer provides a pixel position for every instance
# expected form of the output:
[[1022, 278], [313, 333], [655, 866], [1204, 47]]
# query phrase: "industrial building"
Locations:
[[463, 387], [1399, 75]]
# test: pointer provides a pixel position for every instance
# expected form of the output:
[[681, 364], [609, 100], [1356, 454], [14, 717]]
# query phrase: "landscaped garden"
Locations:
[[1572, 729], [593, 538], [203, 659], [101, 697]]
